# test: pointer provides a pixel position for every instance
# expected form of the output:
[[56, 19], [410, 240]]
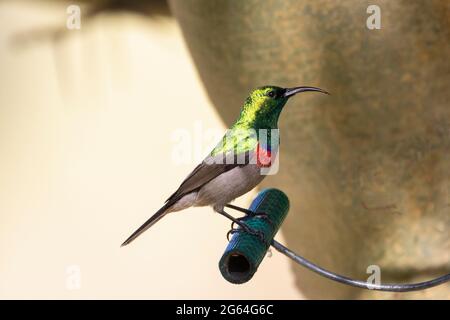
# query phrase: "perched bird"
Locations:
[[234, 166]]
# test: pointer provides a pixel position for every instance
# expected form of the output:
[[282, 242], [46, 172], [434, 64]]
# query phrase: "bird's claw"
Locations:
[[238, 219], [246, 229], [261, 215], [230, 232], [261, 236], [264, 216]]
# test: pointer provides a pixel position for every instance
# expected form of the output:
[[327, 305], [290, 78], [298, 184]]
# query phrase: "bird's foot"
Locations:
[[264, 216], [243, 227], [251, 214], [241, 219], [261, 236]]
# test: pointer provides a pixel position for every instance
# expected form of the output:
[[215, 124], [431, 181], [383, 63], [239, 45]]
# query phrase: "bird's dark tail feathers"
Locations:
[[153, 219]]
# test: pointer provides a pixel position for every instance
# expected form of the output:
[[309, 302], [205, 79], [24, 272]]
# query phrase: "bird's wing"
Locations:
[[223, 158], [235, 149], [208, 169]]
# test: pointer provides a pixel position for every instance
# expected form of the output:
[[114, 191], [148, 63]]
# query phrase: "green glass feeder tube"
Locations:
[[245, 251]]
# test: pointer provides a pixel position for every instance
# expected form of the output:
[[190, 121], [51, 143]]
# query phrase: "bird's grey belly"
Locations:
[[229, 185]]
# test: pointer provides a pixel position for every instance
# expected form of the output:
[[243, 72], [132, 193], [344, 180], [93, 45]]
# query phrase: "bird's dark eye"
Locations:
[[271, 94]]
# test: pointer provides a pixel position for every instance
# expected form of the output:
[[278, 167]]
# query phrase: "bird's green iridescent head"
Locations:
[[263, 106]]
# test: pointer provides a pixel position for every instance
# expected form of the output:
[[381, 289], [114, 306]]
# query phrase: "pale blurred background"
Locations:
[[86, 124]]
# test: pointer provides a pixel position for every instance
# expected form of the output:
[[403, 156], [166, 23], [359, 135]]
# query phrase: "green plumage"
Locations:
[[260, 111], [207, 183]]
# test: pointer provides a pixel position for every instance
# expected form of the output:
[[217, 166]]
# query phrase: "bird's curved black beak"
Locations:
[[289, 92]]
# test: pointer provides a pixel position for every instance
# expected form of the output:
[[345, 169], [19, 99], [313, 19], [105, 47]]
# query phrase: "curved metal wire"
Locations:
[[394, 287]]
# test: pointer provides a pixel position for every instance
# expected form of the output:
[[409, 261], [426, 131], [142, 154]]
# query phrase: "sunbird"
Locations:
[[219, 178]]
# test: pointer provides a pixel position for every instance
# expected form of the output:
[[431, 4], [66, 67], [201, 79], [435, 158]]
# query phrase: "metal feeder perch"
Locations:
[[245, 251]]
